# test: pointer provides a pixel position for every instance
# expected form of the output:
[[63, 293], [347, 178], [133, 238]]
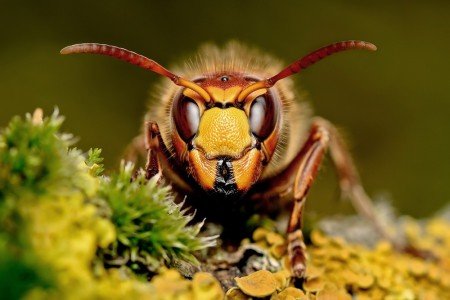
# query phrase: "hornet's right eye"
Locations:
[[186, 114]]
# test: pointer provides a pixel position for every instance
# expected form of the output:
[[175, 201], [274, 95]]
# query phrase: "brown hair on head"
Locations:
[[135, 59], [305, 62]]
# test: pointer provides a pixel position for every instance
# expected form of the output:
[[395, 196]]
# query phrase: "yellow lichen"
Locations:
[[169, 284], [235, 294], [273, 238], [206, 287], [289, 293], [259, 284], [335, 267], [260, 234]]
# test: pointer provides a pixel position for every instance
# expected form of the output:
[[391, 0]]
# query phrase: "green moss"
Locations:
[[94, 162], [150, 226], [35, 157], [20, 271], [60, 218]]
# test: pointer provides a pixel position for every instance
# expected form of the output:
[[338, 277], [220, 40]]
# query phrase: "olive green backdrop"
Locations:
[[393, 104]]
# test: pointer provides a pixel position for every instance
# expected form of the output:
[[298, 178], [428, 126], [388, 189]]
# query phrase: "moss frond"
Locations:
[[94, 161], [150, 226], [35, 157]]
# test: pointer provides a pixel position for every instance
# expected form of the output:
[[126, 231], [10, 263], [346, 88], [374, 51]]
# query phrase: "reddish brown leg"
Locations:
[[311, 156], [153, 165], [352, 189], [350, 182], [323, 135], [159, 158]]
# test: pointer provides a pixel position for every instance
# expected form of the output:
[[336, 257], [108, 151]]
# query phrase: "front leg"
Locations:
[[323, 136], [310, 158], [350, 183], [147, 145], [152, 145], [160, 159]]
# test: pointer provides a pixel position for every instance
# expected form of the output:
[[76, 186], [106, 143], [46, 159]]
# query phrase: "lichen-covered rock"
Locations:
[[340, 270], [58, 230]]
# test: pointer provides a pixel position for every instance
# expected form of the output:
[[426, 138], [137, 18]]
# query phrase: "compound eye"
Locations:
[[263, 116], [187, 117]]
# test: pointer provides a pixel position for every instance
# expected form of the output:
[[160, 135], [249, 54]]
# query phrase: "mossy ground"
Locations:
[[67, 231]]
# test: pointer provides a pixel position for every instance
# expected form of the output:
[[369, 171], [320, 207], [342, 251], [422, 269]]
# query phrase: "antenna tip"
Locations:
[[371, 47], [76, 48], [65, 50]]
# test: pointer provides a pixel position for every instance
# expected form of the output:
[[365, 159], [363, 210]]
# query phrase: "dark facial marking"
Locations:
[[225, 184]]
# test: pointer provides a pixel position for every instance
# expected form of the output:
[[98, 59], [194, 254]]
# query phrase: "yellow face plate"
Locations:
[[223, 132]]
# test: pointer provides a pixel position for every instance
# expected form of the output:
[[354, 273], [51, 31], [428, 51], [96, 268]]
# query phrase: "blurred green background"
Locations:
[[394, 104]]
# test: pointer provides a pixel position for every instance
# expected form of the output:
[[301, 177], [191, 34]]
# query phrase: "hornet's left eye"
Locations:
[[263, 116], [187, 117]]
